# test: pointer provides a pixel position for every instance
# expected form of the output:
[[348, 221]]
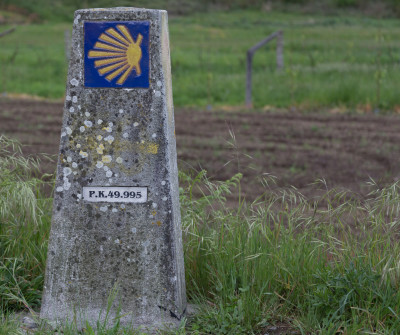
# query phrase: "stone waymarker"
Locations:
[[116, 219]]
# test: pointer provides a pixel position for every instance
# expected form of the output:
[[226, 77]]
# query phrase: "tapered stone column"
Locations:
[[116, 217]]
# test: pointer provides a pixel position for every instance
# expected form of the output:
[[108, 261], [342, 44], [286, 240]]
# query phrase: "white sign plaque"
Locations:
[[115, 194]]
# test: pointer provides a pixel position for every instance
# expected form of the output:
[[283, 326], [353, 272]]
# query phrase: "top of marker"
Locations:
[[117, 9]]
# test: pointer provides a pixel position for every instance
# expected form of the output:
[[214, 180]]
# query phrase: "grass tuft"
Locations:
[[24, 228]]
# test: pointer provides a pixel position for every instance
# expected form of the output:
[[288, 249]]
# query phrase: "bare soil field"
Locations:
[[345, 150]]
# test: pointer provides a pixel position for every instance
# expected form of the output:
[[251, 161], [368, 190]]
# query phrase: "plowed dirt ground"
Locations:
[[345, 150]]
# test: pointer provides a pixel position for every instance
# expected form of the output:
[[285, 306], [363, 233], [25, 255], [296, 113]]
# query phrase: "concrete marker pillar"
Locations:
[[116, 217]]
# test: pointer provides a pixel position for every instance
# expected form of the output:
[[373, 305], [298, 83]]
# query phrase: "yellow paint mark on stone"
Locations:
[[148, 148]]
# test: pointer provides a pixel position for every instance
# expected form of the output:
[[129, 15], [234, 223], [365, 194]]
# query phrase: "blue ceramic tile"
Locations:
[[117, 54]]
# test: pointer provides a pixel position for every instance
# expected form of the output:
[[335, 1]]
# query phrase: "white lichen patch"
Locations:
[[108, 129], [110, 124], [121, 111], [109, 139], [119, 160], [99, 137], [99, 121], [104, 208], [68, 130], [88, 123], [78, 145], [106, 168], [59, 189], [67, 184], [125, 135], [164, 199], [100, 149], [163, 183], [83, 154], [154, 205], [107, 159], [99, 165], [133, 230], [159, 83], [63, 134], [122, 206], [76, 21], [157, 94], [82, 129], [69, 159], [67, 171], [114, 210], [154, 135], [117, 241], [68, 98], [74, 82], [87, 114], [74, 165], [109, 174], [135, 124], [72, 109], [74, 99]]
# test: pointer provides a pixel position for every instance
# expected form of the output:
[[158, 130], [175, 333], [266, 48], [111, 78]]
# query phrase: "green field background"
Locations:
[[329, 60]]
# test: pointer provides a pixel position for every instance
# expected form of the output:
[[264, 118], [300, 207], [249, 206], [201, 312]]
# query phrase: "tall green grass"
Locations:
[[326, 265], [24, 227]]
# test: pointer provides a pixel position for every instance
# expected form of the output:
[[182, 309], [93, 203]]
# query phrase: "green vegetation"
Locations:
[[24, 226], [324, 266], [329, 61], [62, 10]]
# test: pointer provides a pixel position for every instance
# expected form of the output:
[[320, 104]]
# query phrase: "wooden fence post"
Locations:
[[249, 103], [279, 51], [249, 63]]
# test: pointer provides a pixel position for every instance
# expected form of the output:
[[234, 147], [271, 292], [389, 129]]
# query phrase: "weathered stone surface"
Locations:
[[117, 136]]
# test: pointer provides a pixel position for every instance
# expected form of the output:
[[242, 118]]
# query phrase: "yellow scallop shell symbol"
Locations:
[[119, 55]]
